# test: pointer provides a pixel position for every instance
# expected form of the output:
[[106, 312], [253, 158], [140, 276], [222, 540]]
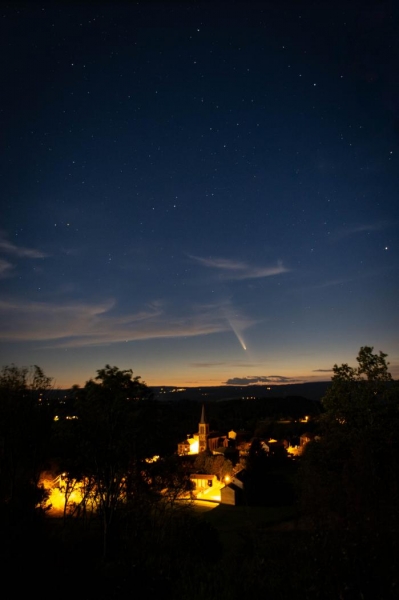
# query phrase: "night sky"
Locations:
[[205, 193]]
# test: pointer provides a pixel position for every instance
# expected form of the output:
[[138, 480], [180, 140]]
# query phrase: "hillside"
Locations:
[[312, 391]]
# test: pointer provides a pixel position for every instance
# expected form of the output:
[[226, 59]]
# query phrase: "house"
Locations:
[[202, 481], [233, 492], [184, 448], [305, 439]]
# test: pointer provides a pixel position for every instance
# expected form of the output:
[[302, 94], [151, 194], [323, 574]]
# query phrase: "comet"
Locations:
[[237, 334]]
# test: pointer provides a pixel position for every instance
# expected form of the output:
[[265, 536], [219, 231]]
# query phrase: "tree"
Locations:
[[349, 476], [171, 480], [357, 394], [25, 429], [373, 366], [107, 439]]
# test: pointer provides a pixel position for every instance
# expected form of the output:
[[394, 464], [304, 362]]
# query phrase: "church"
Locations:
[[205, 440]]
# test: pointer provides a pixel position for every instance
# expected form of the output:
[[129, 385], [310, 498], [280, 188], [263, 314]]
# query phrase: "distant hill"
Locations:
[[312, 391]]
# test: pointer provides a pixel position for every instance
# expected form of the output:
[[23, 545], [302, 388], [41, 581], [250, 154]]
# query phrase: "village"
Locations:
[[217, 464]]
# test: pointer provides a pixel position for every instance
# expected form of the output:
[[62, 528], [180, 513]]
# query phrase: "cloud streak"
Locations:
[[362, 228], [209, 365], [19, 251], [238, 270], [5, 267], [260, 379], [206, 365], [80, 324]]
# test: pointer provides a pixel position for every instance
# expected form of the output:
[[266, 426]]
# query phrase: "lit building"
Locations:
[[213, 441], [198, 442], [204, 439]]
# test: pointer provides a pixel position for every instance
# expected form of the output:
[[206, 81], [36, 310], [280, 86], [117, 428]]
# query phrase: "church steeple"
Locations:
[[203, 432]]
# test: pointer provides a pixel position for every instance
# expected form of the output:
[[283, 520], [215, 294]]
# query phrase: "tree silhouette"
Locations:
[[104, 441], [25, 429], [349, 475]]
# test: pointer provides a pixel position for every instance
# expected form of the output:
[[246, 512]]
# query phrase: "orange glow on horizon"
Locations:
[[183, 384]]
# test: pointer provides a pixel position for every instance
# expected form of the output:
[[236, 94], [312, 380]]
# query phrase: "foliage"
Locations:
[[357, 394], [349, 475], [348, 484], [25, 428], [101, 444], [170, 478], [211, 464]]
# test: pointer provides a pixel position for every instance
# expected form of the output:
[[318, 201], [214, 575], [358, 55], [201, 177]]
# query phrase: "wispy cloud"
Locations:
[[322, 371], [220, 263], [5, 267], [20, 251], [235, 364], [361, 228], [261, 379], [344, 282], [333, 282], [231, 269], [206, 365], [80, 324]]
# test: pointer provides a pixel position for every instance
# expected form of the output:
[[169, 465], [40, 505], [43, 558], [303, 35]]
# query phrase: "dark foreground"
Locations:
[[227, 552]]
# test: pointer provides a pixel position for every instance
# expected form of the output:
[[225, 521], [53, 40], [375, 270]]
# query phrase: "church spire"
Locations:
[[203, 432]]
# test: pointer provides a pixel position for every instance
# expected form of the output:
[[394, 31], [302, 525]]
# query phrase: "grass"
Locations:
[[236, 523], [225, 517]]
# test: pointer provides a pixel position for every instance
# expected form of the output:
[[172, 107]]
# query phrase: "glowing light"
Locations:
[[59, 500], [194, 445], [152, 459]]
